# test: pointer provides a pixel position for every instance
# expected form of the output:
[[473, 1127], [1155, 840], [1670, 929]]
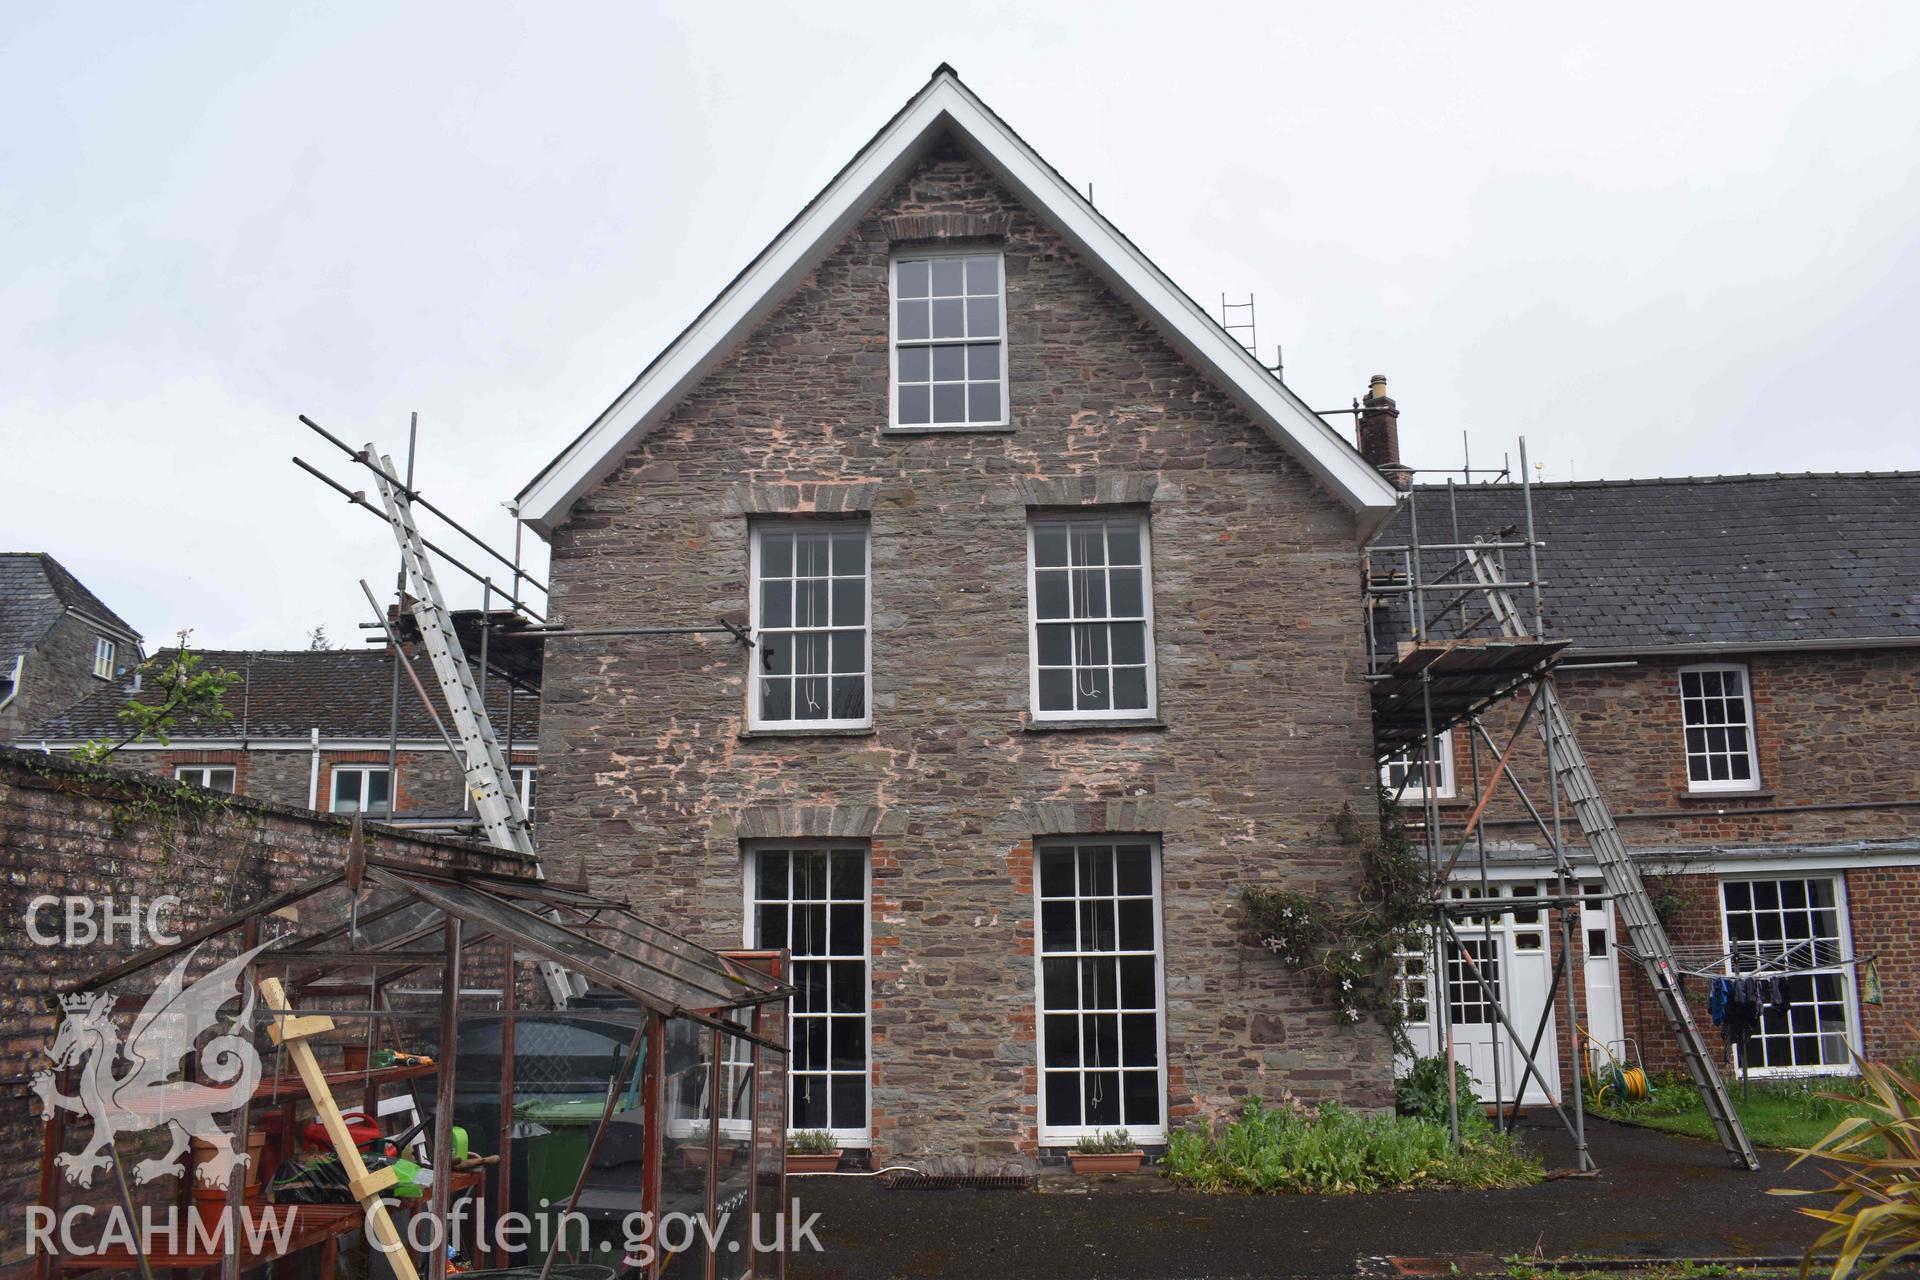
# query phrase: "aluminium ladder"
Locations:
[[485, 765], [1650, 944]]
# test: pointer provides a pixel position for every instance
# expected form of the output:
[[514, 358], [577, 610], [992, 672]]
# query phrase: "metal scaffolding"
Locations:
[[1446, 643]]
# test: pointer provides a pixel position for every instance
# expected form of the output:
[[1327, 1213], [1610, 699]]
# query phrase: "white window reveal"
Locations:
[[1798, 925], [361, 789], [1718, 716], [813, 902], [1402, 775], [811, 614], [523, 785], [214, 777], [103, 651], [1102, 1033], [1090, 584], [949, 348]]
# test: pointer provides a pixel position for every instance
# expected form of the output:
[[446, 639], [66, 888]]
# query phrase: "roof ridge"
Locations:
[[1749, 477]]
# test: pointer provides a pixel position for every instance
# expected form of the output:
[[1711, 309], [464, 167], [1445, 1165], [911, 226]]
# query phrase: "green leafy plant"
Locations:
[[1111, 1142], [811, 1142], [1873, 1159], [1333, 1151], [1422, 1094], [1350, 945], [173, 686]]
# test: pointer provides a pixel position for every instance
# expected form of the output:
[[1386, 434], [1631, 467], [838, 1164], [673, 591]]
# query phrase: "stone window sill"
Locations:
[[1004, 429], [1719, 797], [749, 735], [1093, 726]]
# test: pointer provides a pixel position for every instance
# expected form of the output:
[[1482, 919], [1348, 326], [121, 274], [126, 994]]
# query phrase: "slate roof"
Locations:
[[1634, 566], [34, 590], [345, 693]]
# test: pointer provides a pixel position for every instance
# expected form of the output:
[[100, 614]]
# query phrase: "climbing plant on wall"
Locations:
[[1348, 944]]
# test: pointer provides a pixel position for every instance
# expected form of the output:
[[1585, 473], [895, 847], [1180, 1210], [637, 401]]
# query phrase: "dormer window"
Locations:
[[949, 343], [103, 654]]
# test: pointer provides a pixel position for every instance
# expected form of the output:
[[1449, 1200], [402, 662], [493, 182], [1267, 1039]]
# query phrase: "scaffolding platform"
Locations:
[[1461, 677]]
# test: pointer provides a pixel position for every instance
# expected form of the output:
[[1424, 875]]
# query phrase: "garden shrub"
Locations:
[[1422, 1095], [1334, 1151]]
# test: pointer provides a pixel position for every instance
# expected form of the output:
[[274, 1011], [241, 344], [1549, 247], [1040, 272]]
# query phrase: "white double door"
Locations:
[[1514, 961]]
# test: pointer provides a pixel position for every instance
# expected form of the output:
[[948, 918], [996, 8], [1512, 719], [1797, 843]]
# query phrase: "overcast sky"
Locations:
[[1658, 239]]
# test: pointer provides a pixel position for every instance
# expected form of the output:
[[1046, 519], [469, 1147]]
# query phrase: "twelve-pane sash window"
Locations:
[[948, 344], [1793, 925], [810, 625], [1719, 725], [1100, 985], [813, 901], [1092, 617]]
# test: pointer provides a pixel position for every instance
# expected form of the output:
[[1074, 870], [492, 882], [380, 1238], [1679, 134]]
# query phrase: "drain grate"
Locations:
[[956, 1181]]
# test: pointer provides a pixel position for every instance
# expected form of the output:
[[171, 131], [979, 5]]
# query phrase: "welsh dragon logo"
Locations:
[[129, 1088]]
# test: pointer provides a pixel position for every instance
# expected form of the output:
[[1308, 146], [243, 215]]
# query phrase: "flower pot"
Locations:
[[1106, 1161], [696, 1157], [813, 1161]]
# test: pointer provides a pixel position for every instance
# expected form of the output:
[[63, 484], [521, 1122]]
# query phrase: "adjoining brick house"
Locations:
[[59, 642], [311, 729], [1053, 591], [1744, 680]]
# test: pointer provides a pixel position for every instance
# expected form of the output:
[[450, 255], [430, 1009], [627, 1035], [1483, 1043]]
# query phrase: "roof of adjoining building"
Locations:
[[344, 693], [34, 590], [1699, 563]]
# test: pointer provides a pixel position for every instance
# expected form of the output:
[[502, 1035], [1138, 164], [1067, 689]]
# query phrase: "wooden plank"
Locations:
[[366, 1187]]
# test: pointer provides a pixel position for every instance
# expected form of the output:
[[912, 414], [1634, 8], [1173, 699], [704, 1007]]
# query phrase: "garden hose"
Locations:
[[1629, 1084]]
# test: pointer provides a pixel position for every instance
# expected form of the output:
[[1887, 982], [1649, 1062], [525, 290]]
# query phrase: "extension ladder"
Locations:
[[1650, 944], [487, 776]]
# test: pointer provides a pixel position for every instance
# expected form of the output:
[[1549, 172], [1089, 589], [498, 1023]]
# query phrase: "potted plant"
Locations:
[[1109, 1152], [812, 1151], [694, 1152]]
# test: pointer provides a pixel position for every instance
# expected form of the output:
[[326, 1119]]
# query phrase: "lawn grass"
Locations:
[[1784, 1114]]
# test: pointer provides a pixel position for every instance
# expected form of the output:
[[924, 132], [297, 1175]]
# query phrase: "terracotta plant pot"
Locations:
[[813, 1161], [1106, 1161], [696, 1157]]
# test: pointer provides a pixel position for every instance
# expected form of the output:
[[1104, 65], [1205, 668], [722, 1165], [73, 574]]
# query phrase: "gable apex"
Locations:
[[945, 106]]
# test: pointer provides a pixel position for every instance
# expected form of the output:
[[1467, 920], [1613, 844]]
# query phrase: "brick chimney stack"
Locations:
[[1378, 432]]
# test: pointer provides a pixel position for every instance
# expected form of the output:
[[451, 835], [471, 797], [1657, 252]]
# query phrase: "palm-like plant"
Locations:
[[1874, 1160]]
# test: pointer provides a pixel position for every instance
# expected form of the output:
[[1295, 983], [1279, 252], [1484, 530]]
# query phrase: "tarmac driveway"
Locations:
[[1657, 1196]]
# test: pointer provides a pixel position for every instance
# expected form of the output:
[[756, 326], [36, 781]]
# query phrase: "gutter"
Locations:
[[1706, 648]]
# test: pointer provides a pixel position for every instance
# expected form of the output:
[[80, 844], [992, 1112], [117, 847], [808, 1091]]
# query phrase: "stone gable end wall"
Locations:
[[646, 768]]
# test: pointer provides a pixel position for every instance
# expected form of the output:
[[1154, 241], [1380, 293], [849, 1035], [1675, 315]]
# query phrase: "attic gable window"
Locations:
[[103, 654], [949, 344]]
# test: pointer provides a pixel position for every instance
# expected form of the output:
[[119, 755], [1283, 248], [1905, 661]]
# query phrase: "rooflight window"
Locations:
[[949, 326]]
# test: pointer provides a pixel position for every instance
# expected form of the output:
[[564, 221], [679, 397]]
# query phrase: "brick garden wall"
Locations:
[[67, 831], [1266, 732]]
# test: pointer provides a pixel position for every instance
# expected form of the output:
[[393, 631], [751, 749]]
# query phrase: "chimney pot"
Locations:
[[1377, 431]]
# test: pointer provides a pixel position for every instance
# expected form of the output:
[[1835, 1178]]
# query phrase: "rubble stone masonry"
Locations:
[[1264, 736]]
